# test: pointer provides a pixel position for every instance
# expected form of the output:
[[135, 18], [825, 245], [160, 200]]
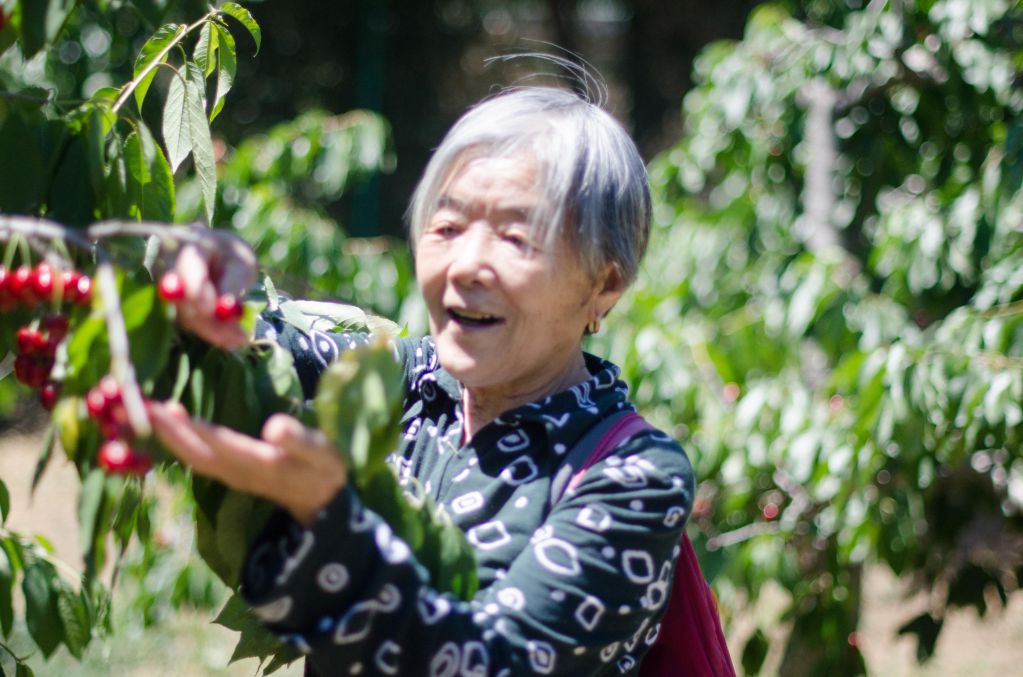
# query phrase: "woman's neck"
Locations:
[[480, 406]]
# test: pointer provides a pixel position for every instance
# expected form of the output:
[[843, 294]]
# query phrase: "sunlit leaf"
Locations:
[[152, 52], [201, 140], [205, 53], [176, 128], [227, 65], [243, 15]]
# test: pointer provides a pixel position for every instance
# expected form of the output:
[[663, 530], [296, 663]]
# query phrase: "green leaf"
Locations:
[[227, 66], [243, 15], [754, 653], [5, 502], [254, 640], [23, 670], [6, 584], [176, 130], [202, 142], [127, 513], [41, 614], [205, 53], [152, 183], [91, 501], [181, 378], [75, 619], [150, 53], [44, 456], [275, 374], [85, 363]]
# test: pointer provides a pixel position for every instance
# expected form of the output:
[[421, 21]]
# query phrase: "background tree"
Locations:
[[831, 313]]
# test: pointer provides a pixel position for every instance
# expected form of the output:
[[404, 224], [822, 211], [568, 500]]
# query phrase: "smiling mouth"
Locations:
[[468, 318]]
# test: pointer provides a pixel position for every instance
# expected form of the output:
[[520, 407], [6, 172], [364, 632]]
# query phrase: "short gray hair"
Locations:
[[590, 173]]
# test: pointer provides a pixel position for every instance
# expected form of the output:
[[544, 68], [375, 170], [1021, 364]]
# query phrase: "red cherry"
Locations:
[[96, 404], [22, 368], [20, 285], [42, 281], [113, 456], [26, 339], [228, 308], [171, 287], [111, 391], [48, 395], [69, 280], [83, 291], [770, 511], [117, 458], [56, 327], [38, 374], [41, 346]]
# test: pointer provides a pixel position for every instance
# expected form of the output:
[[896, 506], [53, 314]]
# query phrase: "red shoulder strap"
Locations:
[[622, 429]]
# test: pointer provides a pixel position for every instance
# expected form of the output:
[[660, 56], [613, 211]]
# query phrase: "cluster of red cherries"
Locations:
[[37, 342], [116, 455]]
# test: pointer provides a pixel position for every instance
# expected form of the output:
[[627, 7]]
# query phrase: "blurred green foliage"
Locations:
[[844, 357]]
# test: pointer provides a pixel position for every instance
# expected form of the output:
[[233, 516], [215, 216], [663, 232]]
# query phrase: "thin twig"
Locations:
[[121, 367]]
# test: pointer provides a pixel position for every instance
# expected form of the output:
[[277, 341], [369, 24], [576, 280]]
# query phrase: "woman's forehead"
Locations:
[[507, 182]]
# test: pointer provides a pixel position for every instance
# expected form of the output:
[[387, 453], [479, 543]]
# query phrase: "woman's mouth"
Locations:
[[469, 318]]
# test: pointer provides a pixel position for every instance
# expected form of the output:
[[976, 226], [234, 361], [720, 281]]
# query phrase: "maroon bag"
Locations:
[[690, 641]]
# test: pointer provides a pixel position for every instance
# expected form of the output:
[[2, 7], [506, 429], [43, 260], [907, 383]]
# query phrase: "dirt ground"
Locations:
[[968, 646]]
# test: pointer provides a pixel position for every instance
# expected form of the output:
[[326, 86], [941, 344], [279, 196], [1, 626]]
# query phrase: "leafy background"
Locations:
[[846, 377]]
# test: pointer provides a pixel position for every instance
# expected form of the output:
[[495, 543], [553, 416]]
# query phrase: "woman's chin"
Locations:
[[469, 369]]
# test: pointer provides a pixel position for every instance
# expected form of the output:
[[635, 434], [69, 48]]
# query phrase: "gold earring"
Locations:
[[594, 326]]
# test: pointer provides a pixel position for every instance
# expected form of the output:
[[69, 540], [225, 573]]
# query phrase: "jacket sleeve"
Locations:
[[583, 597]]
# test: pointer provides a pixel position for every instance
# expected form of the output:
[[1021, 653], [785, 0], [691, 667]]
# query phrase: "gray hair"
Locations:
[[589, 172]]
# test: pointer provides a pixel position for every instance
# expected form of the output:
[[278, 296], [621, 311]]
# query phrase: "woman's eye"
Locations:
[[444, 229], [520, 241]]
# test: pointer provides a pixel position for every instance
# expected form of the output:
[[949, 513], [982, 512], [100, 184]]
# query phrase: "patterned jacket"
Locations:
[[574, 589]]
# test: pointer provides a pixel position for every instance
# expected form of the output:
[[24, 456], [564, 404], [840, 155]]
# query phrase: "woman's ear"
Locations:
[[609, 288]]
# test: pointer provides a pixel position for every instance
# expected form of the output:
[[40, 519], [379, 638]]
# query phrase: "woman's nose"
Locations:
[[472, 256]]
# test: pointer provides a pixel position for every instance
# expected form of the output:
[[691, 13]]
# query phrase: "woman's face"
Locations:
[[505, 313]]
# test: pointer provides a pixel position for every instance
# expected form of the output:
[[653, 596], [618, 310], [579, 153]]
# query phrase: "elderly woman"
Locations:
[[527, 226]]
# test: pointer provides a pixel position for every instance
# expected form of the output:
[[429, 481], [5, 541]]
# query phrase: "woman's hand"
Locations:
[[218, 264], [295, 467]]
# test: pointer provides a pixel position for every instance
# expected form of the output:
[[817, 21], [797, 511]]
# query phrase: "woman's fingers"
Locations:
[[294, 466], [174, 429], [289, 434], [218, 263]]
